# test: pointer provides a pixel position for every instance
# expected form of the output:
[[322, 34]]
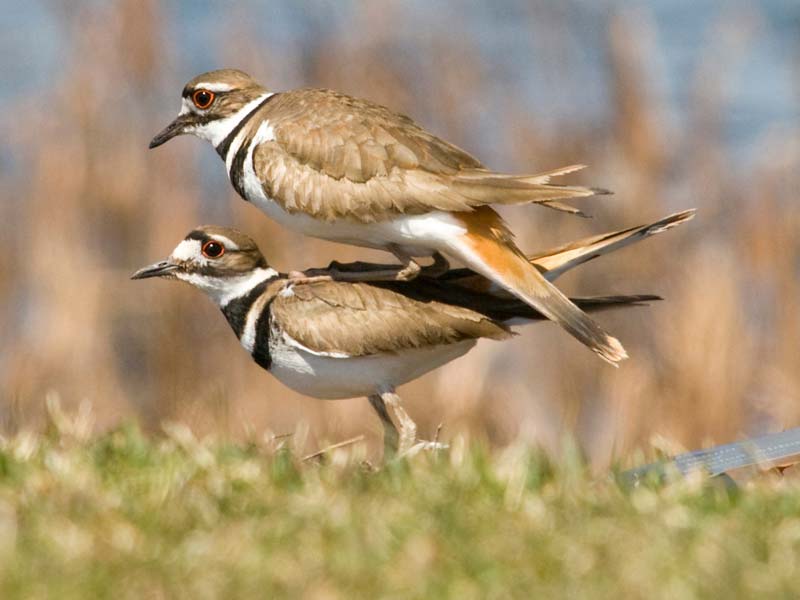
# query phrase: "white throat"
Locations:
[[216, 131], [222, 290]]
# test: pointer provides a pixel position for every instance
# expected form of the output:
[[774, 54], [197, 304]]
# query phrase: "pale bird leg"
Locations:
[[299, 278], [390, 434], [399, 443], [408, 429], [410, 272], [354, 276], [411, 268], [361, 271]]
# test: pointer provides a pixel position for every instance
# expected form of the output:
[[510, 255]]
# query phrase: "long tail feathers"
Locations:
[[486, 252], [487, 187], [591, 304], [556, 261], [601, 303]]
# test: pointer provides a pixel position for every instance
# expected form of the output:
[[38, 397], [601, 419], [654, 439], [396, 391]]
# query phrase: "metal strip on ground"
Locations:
[[774, 449]]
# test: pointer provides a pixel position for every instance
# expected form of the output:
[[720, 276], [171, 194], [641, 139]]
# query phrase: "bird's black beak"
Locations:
[[176, 128], [159, 269]]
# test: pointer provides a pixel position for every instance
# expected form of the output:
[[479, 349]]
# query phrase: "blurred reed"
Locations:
[[87, 204]]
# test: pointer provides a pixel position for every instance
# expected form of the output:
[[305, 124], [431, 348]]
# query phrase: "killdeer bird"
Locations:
[[351, 171], [334, 339]]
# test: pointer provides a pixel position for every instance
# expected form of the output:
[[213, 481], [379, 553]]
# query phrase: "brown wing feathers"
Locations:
[[376, 164], [360, 319], [380, 317], [487, 187]]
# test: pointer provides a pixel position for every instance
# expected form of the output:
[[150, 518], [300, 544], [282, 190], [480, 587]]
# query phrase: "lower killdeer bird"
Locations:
[[335, 339], [351, 171]]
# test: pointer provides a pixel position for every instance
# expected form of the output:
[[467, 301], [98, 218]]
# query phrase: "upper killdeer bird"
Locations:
[[335, 339], [348, 170]]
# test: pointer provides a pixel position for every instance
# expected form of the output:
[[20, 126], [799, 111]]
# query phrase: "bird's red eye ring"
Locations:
[[203, 98], [212, 249]]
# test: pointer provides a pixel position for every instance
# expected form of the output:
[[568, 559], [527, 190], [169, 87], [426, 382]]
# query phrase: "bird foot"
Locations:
[[423, 446], [410, 272], [299, 278]]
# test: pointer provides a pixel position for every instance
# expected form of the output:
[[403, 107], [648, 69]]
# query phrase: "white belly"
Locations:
[[417, 235], [334, 378]]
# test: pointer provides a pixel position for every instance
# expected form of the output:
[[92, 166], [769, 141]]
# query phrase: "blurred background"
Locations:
[[672, 104]]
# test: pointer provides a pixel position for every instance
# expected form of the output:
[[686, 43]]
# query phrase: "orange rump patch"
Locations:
[[492, 240]]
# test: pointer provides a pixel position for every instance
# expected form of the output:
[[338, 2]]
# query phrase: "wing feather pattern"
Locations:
[[375, 164], [356, 319]]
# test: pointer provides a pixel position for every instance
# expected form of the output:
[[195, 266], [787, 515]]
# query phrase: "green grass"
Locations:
[[127, 516]]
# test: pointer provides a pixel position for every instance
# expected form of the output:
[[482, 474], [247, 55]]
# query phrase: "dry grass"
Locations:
[[172, 516], [87, 204]]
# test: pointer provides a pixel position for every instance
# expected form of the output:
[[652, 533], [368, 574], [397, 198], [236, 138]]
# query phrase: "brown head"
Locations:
[[213, 104], [222, 262]]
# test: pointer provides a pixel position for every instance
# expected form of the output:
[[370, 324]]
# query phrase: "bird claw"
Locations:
[[424, 446], [409, 272], [300, 278]]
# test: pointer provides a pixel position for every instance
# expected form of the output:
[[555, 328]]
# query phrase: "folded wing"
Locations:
[[374, 164], [354, 319]]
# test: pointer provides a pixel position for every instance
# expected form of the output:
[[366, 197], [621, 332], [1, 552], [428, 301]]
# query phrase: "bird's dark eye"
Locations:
[[212, 249], [203, 98]]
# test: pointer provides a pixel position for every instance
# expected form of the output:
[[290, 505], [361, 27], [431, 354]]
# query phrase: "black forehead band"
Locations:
[[198, 235]]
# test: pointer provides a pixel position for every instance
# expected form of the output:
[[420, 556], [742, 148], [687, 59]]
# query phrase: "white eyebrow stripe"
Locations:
[[227, 242], [188, 250], [213, 87]]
